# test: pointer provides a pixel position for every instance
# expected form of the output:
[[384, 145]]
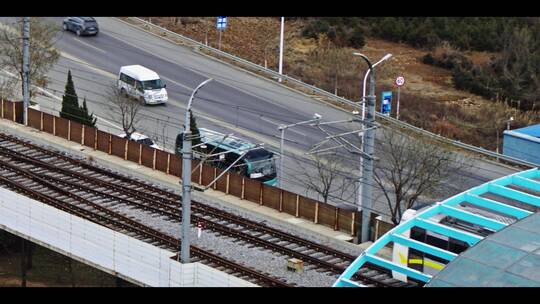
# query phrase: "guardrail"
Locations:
[[314, 89]]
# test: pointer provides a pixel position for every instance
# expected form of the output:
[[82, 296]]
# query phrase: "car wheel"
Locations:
[[64, 27], [141, 100], [78, 32], [123, 92]]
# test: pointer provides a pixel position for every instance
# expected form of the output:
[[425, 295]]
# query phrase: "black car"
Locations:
[[81, 25]]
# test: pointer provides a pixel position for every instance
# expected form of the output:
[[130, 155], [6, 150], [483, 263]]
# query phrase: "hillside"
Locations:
[[428, 98]]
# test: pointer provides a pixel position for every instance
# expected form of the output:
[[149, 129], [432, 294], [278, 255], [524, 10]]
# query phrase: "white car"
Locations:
[[142, 139]]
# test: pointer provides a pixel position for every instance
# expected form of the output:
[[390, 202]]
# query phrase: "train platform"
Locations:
[[281, 219]]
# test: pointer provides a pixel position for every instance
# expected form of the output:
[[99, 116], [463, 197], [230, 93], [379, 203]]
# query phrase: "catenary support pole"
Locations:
[[281, 156], [186, 180], [26, 67]]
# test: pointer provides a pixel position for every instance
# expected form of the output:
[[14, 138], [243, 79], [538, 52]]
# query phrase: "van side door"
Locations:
[[130, 86], [138, 89]]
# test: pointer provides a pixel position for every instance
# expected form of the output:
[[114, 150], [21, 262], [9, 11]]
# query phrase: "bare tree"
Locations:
[[410, 168], [7, 87], [125, 109], [42, 53], [326, 177]]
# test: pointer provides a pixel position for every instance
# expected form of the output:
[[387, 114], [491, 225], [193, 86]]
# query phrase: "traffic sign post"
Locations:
[[386, 103], [221, 24], [400, 80]]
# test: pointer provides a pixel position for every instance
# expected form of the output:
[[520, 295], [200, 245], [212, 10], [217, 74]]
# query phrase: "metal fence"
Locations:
[[230, 183], [334, 97]]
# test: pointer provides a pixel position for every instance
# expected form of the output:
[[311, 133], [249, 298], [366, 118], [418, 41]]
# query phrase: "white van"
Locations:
[[142, 83]]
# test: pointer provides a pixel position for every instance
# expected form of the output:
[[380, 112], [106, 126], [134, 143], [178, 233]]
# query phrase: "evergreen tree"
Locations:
[[87, 119], [70, 103], [196, 135]]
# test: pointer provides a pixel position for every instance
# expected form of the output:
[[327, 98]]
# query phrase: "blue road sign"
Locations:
[[221, 23], [386, 103]]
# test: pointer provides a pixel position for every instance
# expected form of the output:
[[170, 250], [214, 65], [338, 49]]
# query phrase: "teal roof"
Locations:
[[231, 143], [499, 222], [508, 258]]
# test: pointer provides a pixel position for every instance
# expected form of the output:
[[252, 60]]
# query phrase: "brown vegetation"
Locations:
[[428, 99]]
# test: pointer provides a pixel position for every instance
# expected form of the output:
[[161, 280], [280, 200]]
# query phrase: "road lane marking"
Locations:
[[88, 65], [177, 83], [230, 126], [90, 46]]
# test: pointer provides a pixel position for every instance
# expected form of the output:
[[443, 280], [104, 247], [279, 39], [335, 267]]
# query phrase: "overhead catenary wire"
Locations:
[[376, 210], [273, 135], [131, 49]]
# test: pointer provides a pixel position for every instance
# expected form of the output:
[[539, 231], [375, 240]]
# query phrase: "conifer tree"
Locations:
[[70, 103], [196, 135], [87, 119]]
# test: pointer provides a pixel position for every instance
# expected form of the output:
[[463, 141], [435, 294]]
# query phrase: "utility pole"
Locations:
[[186, 180], [366, 180], [281, 47], [26, 67], [369, 142]]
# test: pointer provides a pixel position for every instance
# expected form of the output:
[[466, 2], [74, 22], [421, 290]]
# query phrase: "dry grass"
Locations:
[[428, 98]]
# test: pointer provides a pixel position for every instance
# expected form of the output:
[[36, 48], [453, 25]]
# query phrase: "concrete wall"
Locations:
[[103, 248]]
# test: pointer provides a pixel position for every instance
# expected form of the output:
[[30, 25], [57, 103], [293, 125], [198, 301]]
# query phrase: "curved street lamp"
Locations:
[[387, 56], [366, 167], [186, 179]]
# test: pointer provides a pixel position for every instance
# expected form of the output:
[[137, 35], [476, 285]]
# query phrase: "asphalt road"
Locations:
[[235, 102]]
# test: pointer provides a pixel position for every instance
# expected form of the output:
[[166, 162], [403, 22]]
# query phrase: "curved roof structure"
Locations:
[[469, 218], [510, 258]]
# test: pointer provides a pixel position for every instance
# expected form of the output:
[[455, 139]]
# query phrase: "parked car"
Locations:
[[141, 139], [81, 25]]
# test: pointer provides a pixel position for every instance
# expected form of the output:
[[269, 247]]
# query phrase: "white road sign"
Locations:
[[400, 81]]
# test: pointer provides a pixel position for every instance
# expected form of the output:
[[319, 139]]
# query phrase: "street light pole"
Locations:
[[186, 180], [282, 128], [368, 144], [365, 143], [281, 47], [387, 56]]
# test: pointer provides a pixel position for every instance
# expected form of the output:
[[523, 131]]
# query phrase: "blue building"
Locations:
[[523, 143]]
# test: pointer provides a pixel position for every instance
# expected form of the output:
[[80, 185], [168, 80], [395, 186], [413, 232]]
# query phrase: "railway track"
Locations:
[[81, 184]]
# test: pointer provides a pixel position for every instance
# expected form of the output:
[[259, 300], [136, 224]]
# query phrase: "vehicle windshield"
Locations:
[[152, 84], [262, 161]]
